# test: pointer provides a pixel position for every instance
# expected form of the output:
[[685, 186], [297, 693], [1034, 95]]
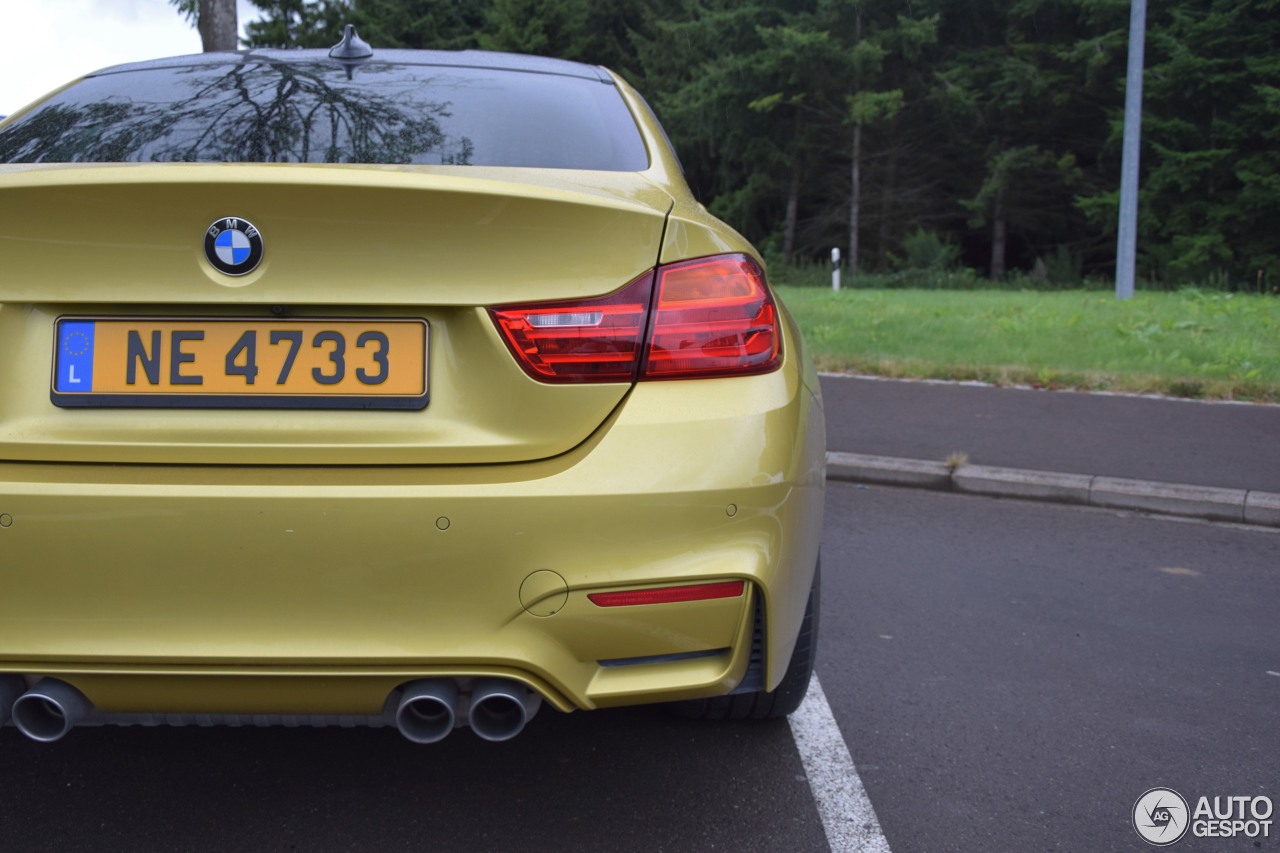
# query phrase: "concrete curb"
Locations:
[[1234, 505]]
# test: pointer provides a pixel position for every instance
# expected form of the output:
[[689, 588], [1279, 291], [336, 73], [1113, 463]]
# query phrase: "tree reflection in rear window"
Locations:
[[264, 111]]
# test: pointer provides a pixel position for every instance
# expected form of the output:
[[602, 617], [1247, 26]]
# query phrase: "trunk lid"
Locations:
[[376, 244]]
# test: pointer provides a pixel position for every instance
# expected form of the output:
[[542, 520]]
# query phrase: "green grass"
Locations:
[[1186, 344]]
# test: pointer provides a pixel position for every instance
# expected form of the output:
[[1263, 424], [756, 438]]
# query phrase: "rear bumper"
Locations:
[[174, 589]]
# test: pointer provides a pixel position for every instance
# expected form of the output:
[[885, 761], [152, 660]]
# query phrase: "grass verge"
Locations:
[[1184, 344]]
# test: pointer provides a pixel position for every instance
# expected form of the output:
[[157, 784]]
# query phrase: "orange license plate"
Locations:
[[240, 363]]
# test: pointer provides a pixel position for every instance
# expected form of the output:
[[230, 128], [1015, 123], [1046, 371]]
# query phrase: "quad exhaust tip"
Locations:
[[500, 708], [497, 710], [49, 710], [425, 711]]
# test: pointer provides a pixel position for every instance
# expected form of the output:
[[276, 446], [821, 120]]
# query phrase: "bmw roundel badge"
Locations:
[[233, 245]]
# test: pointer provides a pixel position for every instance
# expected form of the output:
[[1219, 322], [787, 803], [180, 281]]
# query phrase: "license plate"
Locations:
[[240, 363]]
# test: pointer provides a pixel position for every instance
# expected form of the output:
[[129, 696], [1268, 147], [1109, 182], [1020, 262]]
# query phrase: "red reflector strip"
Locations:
[[668, 594]]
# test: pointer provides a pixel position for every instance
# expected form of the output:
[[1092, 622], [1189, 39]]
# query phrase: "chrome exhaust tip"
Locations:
[[49, 710], [427, 711], [11, 687], [500, 708]]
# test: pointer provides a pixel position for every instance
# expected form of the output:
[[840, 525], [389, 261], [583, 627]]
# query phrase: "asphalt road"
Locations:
[[1008, 677], [621, 780], [1012, 676], [1171, 441]]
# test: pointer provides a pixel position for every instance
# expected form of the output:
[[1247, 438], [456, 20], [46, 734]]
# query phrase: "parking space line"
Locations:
[[847, 816]]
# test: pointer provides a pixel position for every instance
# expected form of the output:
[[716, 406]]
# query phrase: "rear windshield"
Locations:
[[264, 111]]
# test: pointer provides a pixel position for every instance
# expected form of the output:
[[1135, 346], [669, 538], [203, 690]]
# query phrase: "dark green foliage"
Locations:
[[1212, 175], [924, 250], [420, 24], [581, 30], [994, 126], [298, 23]]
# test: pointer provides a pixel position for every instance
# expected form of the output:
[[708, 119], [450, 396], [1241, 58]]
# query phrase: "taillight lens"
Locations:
[[714, 317], [594, 340], [707, 317]]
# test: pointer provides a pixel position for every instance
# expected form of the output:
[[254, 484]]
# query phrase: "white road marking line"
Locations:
[[847, 816]]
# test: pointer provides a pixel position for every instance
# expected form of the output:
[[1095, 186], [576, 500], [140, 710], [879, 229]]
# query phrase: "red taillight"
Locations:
[[708, 317], [592, 340], [668, 594], [714, 317]]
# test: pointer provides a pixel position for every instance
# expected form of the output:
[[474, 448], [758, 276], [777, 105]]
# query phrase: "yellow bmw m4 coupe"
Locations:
[[391, 388]]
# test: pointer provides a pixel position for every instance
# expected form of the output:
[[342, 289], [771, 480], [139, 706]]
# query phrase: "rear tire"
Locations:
[[760, 705]]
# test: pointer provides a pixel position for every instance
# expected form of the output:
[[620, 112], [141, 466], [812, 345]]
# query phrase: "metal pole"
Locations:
[[1127, 240], [835, 270]]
